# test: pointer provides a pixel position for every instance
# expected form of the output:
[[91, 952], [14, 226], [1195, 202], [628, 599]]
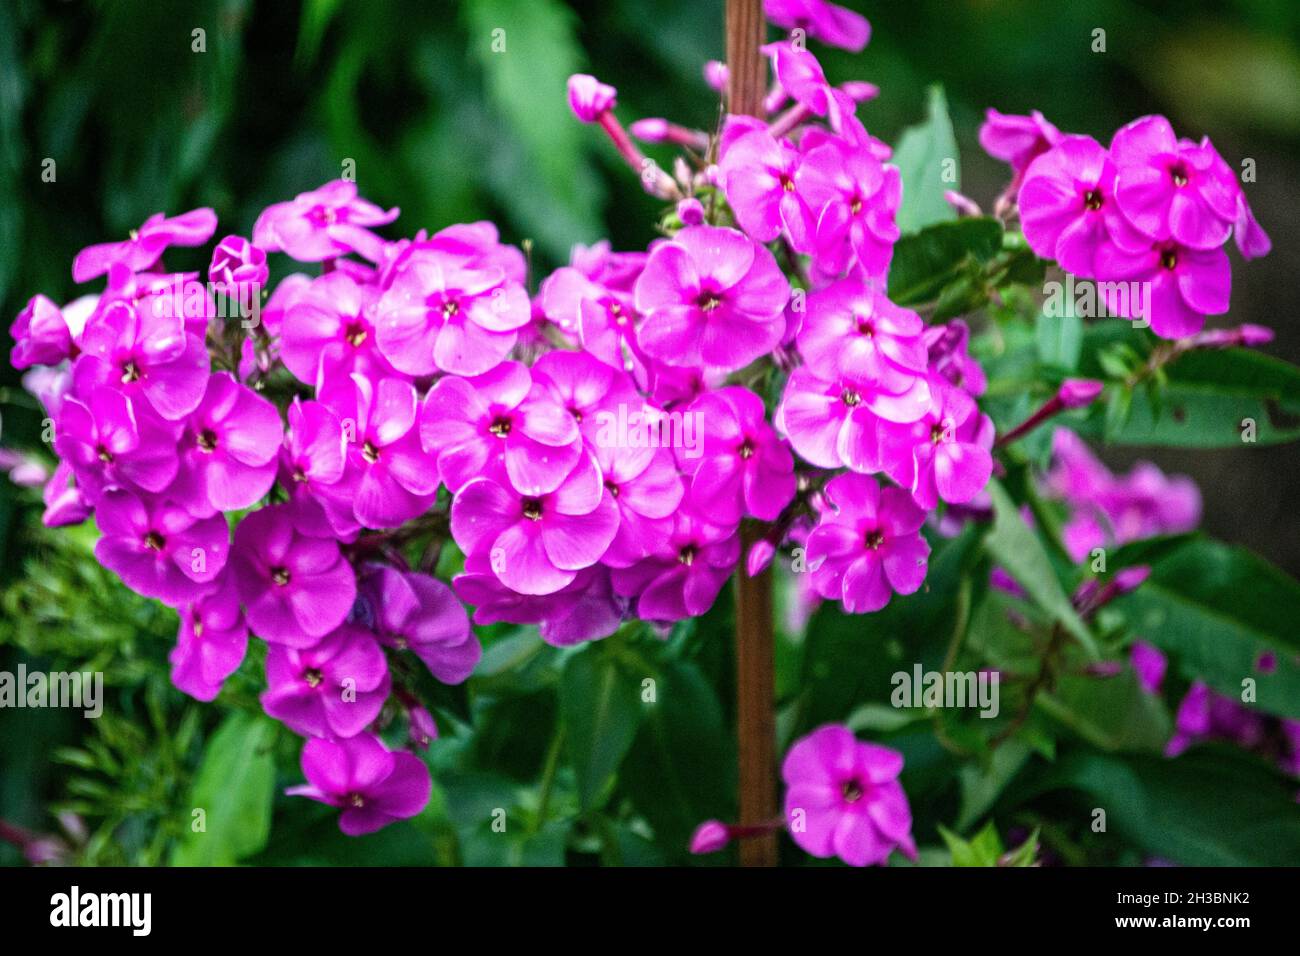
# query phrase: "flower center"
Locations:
[[279, 576], [355, 334], [356, 800], [612, 489], [787, 183], [875, 539], [865, 327], [938, 433], [450, 309], [708, 302], [851, 791], [850, 398], [687, 554], [746, 449], [532, 509], [154, 541], [313, 677], [855, 207], [104, 455], [1178, 173], [207, 440], [500, 427], [1169, 259], [370, 453], [1092, 200], [299, 475], [130, 373]]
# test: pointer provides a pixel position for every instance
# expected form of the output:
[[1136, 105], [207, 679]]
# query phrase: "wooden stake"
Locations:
[[755, 686]]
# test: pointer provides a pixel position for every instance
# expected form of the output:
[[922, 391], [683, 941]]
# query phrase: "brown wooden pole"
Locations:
[[755, 684]]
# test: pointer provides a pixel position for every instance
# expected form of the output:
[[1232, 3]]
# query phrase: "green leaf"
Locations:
[[1208, 400], [1215, 609], [234, 787], [1112, 713], [926, 157], [983, 849], [527, 52], [601, 707], [1018, 549], [681, 769], [981, 786], [926, 263], [1214, 806], [1024, 855], [1060, 340]]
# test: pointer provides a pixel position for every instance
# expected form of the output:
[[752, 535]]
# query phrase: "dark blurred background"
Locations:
[[283, 93]]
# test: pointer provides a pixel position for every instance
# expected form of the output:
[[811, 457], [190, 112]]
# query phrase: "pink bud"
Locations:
[[715, 74], [423, 729], [1104, 669], [760, 556], [1079, 392], [1129, 579], [964, 205], [860, 90], [710, 837], [690, 212], [589, 98], [1256, 335], [650, 130]]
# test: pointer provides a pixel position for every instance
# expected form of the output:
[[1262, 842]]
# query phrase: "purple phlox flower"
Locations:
[[843, 798], [228, 449], [421, 614], [684, 574], [312, 466], [395, 478], [238, 270], [856, 200], [760, 174], [158, 548], [41, 335], [853, 332], [836, 423], [501, 425], [335, 688], [109, 441], [828, 22], [647, 489], [323, 224], [949, 356], [374, 786], [329, 331], [149, 353], [146, 244], [946, 454], [449, 312], [868, 545], [1185, 285], [1067, 204], [586, 609], [743, 468], [1017, 140], [536, 544], [1171, 189], [711, 296], [211, 642], [295, 589]]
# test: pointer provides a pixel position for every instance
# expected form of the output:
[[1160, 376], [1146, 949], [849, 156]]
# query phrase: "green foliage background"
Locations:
[[439, 124]]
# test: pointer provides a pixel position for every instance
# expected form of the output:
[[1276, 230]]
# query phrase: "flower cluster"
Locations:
[[1151, 214]]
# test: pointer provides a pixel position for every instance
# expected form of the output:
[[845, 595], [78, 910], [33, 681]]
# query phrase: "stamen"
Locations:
[[279, 576]]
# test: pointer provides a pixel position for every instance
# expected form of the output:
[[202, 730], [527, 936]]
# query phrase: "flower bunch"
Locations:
[[1148, 217]]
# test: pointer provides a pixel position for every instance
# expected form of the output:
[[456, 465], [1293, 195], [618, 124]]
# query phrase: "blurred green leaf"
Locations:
[[1216, 609], [938, 256], [601, 707], [234, 787], [926, 157]]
